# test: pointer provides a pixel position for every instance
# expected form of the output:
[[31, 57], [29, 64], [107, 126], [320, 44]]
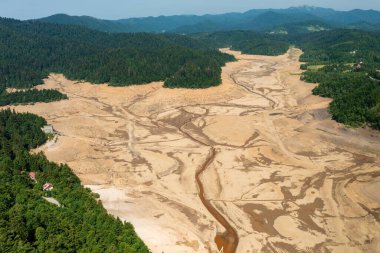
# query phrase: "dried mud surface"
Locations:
[[259, 151]]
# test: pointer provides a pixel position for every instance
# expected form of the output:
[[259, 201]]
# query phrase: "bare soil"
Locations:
[[254, 165]]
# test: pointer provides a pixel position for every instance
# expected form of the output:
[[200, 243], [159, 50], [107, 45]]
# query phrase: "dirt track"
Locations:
[[260, 150]]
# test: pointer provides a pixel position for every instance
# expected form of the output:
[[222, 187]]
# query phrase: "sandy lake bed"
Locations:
[[272, 163]]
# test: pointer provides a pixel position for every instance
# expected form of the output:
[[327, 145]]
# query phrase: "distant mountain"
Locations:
[[171, 23], [159, 24], [89, 22], [269, 20], [204, 26], [264, 20], [349, 17]]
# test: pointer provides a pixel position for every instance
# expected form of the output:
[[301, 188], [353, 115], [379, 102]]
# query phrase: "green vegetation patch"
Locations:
[[314, 67], [315, 28], [32, 50], [346, 77], [247, 41], [28, 223], [30, 96]]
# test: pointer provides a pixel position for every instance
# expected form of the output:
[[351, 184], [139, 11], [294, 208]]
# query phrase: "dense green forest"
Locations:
[[247, 41], [28, 223], [348, 65], [30, 96], [31, 50], [190, 74]]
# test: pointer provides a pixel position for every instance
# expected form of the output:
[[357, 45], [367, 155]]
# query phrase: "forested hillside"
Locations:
[[269, 20], [264, 20], [32, 50], [305, 27], [348, 67], [30, 96], [247, 41], [365, 27], [90, 22], [29, 223]]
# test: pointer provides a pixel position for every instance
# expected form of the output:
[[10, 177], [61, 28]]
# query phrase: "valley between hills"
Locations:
[[253, 165]]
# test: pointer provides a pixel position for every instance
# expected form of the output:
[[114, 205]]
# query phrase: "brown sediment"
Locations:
[[286, 178], [287, 248], [307, 211], [229, 240], [262, 219]]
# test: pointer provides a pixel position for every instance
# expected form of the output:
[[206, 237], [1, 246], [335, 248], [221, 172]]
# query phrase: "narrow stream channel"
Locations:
[[229, 240]]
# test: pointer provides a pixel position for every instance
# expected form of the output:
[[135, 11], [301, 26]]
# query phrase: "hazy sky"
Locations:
[[115, 9]]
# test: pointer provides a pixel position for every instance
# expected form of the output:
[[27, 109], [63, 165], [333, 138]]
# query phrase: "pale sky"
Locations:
[[116, 9]]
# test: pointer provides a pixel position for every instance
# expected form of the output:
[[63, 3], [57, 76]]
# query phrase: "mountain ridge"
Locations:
[[255, 19]]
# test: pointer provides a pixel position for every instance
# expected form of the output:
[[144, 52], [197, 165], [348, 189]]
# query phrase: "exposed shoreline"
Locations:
[[284, 176]]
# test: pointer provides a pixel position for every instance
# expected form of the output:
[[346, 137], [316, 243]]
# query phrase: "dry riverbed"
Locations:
[[271, 166]]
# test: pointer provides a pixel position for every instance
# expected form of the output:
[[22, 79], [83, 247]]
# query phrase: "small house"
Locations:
[[359, 65], [48, 129], [48, 187], [33, 176]]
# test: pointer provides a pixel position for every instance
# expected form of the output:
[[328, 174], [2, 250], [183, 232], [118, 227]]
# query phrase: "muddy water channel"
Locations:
[[229, 240], [254, 165]]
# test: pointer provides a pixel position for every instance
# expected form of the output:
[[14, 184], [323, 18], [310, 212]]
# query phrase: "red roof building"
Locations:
[[33, 175], [48, 187]]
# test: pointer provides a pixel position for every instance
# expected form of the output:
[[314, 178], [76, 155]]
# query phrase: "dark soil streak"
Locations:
[[229, 240]]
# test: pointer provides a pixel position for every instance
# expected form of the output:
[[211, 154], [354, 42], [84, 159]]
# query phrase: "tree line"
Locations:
[[28, 223], [32, 50], [30, 96], [350, 63], [345, 63], [249, 42]]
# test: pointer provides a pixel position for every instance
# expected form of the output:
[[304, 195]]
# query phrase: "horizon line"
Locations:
[[199, 15]]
